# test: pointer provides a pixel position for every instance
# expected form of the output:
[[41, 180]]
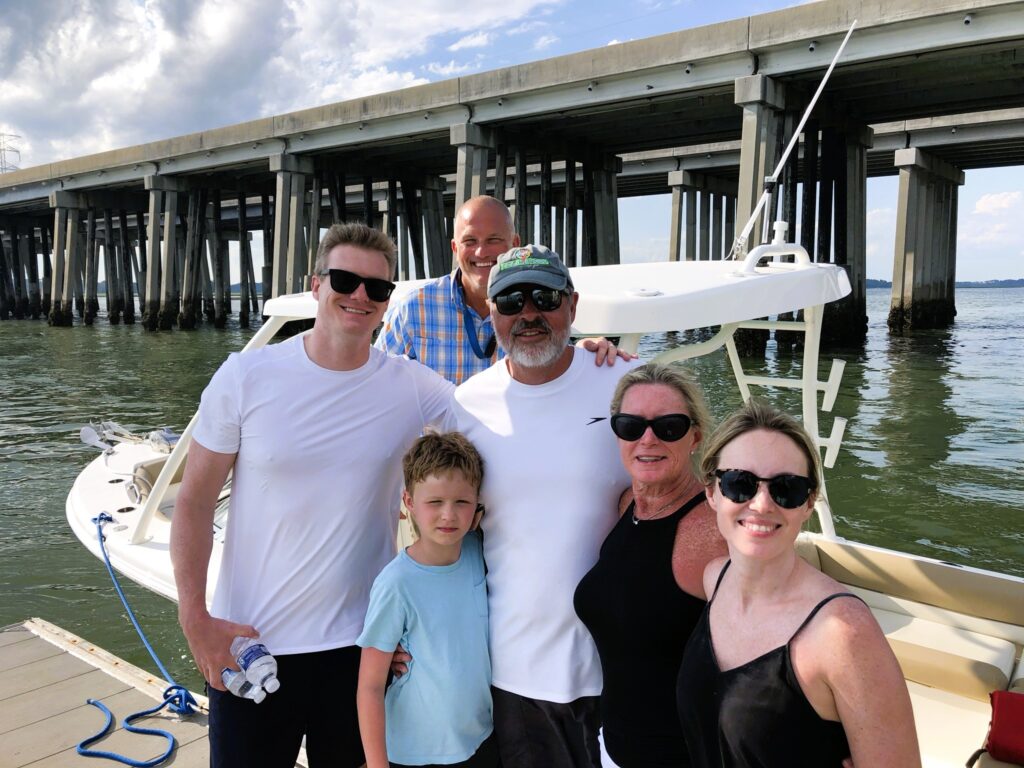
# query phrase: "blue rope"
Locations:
[[176, 697]]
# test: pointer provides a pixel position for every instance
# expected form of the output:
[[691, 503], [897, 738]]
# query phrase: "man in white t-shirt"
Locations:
[[539, 419], [313, 430]]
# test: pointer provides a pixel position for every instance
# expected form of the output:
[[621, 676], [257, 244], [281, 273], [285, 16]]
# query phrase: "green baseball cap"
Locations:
[[529, 265]]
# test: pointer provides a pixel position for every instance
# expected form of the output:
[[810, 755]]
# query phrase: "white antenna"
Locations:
[[739, 245]]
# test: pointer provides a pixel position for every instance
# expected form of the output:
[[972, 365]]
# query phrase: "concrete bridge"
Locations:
[[926, 89]]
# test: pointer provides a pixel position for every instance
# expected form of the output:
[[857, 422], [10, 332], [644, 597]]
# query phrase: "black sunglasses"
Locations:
[[343, 281], [670, 427], [788, 491], [512, 302]]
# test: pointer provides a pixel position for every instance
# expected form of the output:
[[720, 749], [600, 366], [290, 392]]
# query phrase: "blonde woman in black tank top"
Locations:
[[784, 668]]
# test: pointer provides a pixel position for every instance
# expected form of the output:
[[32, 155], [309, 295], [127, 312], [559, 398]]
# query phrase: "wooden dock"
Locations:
[[46, 675]]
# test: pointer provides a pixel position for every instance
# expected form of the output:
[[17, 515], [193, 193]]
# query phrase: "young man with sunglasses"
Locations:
[[312, 429], [447, 324], [553, 479]]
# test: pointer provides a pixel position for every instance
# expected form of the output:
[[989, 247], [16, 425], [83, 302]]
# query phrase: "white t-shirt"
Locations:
[[552, 479], [316, 489]]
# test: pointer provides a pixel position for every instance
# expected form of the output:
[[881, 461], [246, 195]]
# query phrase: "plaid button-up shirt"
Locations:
[[429, 325]]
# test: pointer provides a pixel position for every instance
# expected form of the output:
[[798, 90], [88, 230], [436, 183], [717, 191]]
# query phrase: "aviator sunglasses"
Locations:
[[788, 491], [343, 281], [512, 302], [670, 427]]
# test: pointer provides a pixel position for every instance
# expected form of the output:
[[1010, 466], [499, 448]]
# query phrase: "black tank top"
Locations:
[[640, 620], [755, 715]]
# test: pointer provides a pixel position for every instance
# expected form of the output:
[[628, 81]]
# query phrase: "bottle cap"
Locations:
[[258, 695], [271, 684]]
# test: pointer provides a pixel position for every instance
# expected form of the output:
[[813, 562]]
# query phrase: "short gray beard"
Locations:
[[535, 355]]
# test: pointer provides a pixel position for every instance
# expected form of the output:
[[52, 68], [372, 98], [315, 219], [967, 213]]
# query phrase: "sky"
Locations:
[[83, 76]]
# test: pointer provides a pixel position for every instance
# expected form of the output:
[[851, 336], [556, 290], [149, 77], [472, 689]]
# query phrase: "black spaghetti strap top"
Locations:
[[755, 715], [640, 620]]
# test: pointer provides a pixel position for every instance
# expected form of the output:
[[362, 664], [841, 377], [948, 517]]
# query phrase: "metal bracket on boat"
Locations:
[[776, 249], [833, 441]]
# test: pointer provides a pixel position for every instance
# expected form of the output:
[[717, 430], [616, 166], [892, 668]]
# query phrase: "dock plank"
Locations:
[[28, 650], [10, 635], [87, 720], [44, 713], [39, 674], [41, 703]]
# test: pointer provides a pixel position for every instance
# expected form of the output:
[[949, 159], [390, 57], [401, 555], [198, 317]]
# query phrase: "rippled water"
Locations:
[[932, 463]]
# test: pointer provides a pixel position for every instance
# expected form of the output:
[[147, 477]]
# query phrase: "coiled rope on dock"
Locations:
[[176, 697]]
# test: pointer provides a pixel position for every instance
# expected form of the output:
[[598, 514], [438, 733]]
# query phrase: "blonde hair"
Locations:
[[753, 415], [438, 454], [359, 235]]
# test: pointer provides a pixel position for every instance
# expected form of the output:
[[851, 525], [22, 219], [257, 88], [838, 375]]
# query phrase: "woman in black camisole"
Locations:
[[642, 598], [784, 668]]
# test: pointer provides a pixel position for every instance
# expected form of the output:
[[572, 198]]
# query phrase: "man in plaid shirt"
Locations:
[[446, 324]]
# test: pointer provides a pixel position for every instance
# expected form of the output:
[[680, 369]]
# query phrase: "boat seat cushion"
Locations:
[[957, 660]]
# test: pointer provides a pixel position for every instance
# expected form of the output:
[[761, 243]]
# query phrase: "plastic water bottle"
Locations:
[[255, 661], [237, 683]]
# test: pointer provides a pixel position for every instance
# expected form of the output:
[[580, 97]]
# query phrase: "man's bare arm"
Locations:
[[209, 638]]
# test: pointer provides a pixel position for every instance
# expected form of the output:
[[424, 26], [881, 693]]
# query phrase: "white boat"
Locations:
[[957, 631]]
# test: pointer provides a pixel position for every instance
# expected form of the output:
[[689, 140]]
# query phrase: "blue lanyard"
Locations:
[[483, 354]]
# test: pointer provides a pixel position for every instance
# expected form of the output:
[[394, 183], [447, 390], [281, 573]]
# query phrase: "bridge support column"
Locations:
[[600, 209], [92, 304], [163, 274], [762, 99], [7, 301], [289, 207], [66, 256], [924, 268], [18, 273], [439, 256], [473, 145], [846, 320], [713, 214]]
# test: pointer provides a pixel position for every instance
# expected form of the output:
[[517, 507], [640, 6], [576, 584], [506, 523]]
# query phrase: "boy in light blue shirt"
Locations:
[[432, 599]]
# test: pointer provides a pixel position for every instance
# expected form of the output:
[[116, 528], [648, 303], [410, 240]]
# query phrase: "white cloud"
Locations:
[[476, 40], [95, 75], [613, 42], [545, 41], [995, 203], [526, 26]]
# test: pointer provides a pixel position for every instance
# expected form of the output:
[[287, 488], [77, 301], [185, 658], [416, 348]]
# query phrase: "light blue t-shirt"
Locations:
[[440, 710]]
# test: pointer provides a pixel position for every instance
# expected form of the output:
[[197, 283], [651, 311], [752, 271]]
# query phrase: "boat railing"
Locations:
[[261, 338], [808, 383]]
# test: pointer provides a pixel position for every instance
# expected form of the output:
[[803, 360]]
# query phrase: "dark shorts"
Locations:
[[317, 699], [486, 756], [533, 733]]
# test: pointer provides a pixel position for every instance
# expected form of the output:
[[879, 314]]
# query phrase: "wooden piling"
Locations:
[[129, 269], [111, 263], [545, 199], [92, 304], [193, 247], [368, 212], [46, 239], [219, 266], [569, 255], [267, 224], [809, 198], [6, 285], [168, 269], [32, 266], [244, 262]]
